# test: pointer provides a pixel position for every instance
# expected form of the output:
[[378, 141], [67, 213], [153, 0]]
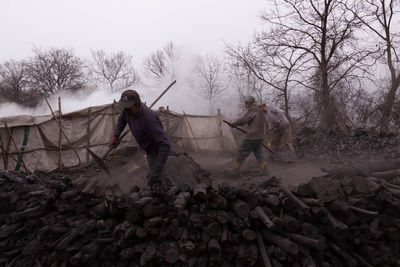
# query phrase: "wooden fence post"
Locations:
[[18, 151], [4, 153], [66, 137], [60, 135], [114, 114], [190, 128], [88, 133], [221, 133]]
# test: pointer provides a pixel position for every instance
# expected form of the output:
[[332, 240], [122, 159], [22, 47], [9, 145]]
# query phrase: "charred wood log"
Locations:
[[282, 242], [264, 218], [240, 208], [263, 252]]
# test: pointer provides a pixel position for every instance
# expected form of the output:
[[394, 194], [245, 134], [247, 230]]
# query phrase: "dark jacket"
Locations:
[[147, 129], [254, 118]]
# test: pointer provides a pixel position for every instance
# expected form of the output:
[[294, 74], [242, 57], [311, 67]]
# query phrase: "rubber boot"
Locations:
[[237, 165], [264, 167]]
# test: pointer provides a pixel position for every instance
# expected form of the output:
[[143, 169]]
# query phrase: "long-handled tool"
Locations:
[[243, 131], [99, 160]]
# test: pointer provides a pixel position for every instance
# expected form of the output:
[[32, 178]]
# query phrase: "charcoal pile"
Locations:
[[341, 221], [336, 145]]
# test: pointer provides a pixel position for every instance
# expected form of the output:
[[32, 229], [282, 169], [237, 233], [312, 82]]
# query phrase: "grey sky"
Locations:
[[135, 26]]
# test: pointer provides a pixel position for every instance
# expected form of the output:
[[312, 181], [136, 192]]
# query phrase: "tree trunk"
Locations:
[[387, 108], [328, 116]]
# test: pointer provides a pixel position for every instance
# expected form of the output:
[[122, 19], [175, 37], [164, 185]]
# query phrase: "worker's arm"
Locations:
[[121, 123], [248, 116]]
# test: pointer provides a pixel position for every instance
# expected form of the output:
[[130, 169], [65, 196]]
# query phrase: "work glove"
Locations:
[[115, 141]]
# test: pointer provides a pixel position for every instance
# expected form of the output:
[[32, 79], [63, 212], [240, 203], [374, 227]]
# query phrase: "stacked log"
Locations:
[[351, 221], [336, 144]]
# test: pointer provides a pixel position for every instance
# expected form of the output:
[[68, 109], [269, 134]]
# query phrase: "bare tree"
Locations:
[[160, 63], [155, 64], [211, 78], [244, 81], [382, 17], [272, 66], [326, 32], [15, 85], [56, 70], [116, 69], [13, 80]]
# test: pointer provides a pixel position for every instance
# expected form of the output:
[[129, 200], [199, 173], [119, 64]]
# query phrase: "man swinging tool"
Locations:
[[280, 127], [253, 141], [147, 129]]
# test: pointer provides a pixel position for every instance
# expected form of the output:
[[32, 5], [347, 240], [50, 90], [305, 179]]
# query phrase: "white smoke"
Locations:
[[184, 96]]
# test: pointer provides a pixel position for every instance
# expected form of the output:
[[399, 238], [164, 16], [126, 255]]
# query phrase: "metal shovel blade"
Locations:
[[99, 160]]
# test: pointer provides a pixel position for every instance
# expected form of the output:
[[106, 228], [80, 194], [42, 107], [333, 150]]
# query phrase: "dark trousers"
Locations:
[[151, 159], [248, 146]]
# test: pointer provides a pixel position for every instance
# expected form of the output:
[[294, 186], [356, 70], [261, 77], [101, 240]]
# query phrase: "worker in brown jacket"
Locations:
[[253, 141]]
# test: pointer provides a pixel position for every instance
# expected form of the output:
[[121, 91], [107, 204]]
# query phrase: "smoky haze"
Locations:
[[183, 96], [135, 27]]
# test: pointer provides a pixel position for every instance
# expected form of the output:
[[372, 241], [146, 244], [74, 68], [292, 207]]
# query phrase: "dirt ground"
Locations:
[[129, 169], [289, 172]]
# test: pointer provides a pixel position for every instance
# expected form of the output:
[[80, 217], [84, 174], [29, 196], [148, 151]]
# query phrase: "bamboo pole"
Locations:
[[66, 137], [16, 148], [4, 153], [8, 150], [88, 134], [158, 98], [190, 128], [60, 135], [114, 113], [220, 129]]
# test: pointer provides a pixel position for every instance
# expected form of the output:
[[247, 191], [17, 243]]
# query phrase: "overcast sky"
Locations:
[[137, 27]]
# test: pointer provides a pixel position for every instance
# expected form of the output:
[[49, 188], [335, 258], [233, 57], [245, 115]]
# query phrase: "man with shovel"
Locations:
[[280, 127], [147, 129], [253, 141]]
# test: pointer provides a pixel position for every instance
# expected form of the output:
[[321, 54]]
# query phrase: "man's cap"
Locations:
[[249, 99], [129, 98], [260, 104]]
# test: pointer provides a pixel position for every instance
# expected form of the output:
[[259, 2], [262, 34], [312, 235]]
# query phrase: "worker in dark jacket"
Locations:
[[147, 129], [253, 141]]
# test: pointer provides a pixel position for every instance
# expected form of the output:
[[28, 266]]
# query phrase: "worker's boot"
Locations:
[[236, 165], [264, 167]]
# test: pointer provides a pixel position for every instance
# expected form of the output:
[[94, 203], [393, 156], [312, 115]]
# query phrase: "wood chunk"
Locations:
[[282, 242], [240, 208]]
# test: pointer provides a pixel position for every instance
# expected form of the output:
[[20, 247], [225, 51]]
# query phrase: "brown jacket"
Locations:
[[254, 118]]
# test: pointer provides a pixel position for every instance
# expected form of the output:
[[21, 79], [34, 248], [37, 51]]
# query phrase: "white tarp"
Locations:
[[43, 146]]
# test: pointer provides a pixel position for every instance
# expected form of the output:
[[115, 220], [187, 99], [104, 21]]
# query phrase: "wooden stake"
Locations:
[[60, 135], [66, 137], [16, 148], [114, 114], [8, 150], [221, 133], [263, 251], [158, 98], [3, 150], [88, 133], [190, 128]]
